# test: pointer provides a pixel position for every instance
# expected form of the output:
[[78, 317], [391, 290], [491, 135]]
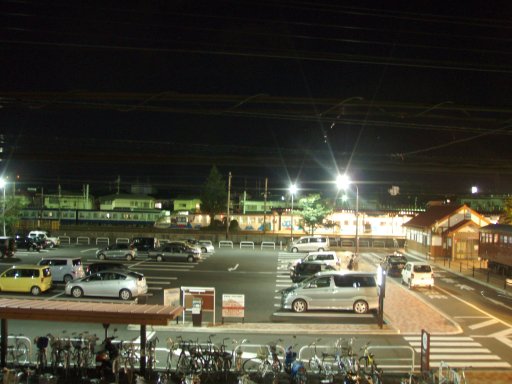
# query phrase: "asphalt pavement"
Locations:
[[405, 313]]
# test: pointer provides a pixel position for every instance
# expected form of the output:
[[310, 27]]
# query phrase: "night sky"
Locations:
[[414, 94]]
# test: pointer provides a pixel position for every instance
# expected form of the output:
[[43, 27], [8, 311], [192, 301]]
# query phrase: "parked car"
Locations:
[[176, 251], [26, 278], [307, 268], [29, 243], [333, 290], [64, 268], [394, 264], [109, 283], [328, 257], [206, 246], [418, 274], [309, 244], [50, 241], [7, 246], [145, 244], [117, 251], [103, 265]]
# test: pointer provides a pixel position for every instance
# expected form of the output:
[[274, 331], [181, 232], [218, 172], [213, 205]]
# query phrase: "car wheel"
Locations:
[[320, 249], [129, 257], [190, 259], [295, 250], [409, 285], [101, 256], [35, 290], [125, 294], [299, 306], [68, 278], [51, 245], [77, 292], [159, 258], [204, 250], [360, 307]]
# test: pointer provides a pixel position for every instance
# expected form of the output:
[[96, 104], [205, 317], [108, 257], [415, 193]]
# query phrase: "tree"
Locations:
[[214, 195], [506, 218], [314, 211]]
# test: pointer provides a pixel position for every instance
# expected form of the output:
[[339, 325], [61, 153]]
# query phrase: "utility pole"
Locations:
[[229, 198], [265, 207]]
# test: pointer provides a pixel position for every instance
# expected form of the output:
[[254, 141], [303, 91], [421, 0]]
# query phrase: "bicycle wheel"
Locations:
[[183, 365], [364, 364], [168, 364], [22, 353], [314, 365], [251, 366]]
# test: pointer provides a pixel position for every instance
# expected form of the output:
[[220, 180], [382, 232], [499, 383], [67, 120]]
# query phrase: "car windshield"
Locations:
[[422, 268]]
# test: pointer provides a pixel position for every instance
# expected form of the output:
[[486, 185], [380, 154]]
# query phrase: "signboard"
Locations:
[[425, 351], [233, 305], [172, 297]]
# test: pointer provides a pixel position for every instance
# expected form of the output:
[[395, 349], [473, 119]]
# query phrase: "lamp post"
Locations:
[[343, 181], [3, 185], [293, 190]]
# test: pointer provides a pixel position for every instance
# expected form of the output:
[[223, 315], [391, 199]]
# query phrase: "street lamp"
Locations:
[[293, 190], [343, 181], [3, 185]]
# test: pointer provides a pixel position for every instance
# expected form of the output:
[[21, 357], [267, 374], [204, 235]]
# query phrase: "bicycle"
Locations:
[[261, 366], [345, 359], [238, 355], [18, 353], [315, 363]]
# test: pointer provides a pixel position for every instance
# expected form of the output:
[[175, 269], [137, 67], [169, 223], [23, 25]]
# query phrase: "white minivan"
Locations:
[[309, 244]]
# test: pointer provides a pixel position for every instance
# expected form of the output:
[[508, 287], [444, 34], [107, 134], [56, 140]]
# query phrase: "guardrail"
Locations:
[[65, 240], [268, 244], [102, 240], [247, 244], [122, 240], [225, 243], [83, 240]]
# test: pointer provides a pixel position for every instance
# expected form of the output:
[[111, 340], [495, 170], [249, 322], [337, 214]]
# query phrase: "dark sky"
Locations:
[[412, 93]]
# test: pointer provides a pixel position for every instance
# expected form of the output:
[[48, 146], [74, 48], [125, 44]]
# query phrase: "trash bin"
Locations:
[[197, 312]]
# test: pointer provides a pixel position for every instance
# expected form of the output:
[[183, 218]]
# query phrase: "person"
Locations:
[[350, 265]]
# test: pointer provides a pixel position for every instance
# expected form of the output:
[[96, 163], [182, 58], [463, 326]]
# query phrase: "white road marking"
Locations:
[[234, 268], [483, 324]]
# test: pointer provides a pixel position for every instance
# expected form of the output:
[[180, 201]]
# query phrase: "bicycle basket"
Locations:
[[42, 342]]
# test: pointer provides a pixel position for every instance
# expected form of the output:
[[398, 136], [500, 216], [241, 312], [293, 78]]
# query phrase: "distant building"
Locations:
[[445, 231], [126, 202], [192, 205]]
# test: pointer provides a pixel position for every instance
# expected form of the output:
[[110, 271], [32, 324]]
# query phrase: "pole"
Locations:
[[227, 210], [291, 224], [3, 209], [265, 206], [357, 220]]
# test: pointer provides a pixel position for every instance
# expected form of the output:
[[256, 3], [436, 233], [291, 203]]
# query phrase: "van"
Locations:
[[64, 268], [309, 244], [333, 290], [7, 246], [417, 274], [26, 278], [145, 244]]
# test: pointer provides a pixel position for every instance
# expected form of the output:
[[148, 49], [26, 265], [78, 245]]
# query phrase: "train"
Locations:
[[149, 217], [495, 246]]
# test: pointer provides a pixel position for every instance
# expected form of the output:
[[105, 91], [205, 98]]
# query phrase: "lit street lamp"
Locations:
[[3, 185], [342, 182], [293, 190]]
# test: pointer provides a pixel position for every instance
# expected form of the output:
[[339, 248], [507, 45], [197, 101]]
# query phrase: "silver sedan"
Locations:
[[109, 283]]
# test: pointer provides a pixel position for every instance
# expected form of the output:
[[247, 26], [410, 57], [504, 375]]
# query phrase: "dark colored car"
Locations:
[[176, 251], [308, 268], [28, 243], [103, 266], [145, 244], [393, 264], [7, 246]]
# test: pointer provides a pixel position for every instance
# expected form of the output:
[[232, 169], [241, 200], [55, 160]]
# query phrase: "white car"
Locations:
[[328, 257], [417, 274], [206, 246], [51, 241]]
